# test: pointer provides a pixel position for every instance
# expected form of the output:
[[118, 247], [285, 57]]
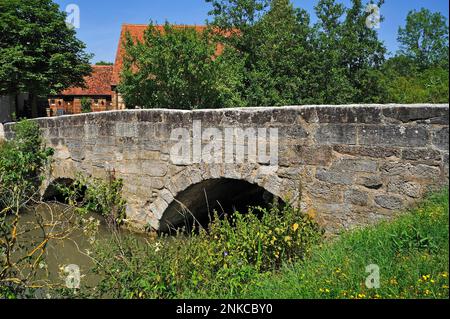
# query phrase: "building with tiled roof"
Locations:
[[97, 89]]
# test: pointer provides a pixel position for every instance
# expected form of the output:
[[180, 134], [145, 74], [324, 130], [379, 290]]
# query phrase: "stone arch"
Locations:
[[222, 195], [203, 188], [49, 191]]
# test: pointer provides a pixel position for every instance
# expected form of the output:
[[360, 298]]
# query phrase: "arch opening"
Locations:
[[53, 192], [197, 204]]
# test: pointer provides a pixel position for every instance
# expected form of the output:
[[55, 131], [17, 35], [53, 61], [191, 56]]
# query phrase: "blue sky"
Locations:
[[101, 20]]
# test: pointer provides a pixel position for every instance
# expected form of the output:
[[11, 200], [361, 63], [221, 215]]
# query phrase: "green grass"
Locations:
[[412, 253]]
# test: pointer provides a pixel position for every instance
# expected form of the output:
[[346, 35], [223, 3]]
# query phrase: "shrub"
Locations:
[[103, 197], [233, 253], [22, 161], [86, 105]]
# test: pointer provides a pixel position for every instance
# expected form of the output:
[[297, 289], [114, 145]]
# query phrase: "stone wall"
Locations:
[[347, 165], [2, 132]]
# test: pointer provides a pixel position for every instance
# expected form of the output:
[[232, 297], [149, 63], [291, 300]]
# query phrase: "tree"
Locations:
[[349, 55], [272, 38], [39, 53], [180, 68], [236, 19], [280, 64], [288, 61], [235, 22], [424, 39]]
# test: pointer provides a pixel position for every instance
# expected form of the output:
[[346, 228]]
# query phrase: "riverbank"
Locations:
[[412, 254]]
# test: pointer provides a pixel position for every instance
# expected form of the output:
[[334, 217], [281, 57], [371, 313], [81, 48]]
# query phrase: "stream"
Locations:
[[71, 249]]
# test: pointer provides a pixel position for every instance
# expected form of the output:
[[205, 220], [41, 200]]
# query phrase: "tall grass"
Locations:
[[281, 256], [412, 254], [233, 253]]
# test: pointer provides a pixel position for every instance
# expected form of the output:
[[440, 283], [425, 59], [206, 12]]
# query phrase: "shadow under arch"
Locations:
[[198, 202], [52, 192]]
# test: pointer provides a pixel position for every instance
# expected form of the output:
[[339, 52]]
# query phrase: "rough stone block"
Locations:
[[421, 154], [126, 130], [349, 114], [395, 168], [106, 129], [309, 155], [370, 182], [154, 168], [151, 116], [356, 197], [336, 134], [292, 132], [445, 162], [356, 165], [343, 178], [393, 135], [422, 114], [166, 196], [391, 202], [425, 172], [372, 151], [404, 187], [440, 138], [130, 167], [324, 190]]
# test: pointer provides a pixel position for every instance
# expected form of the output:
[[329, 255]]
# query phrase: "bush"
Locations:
[[233, 253], [86, 105], [426, 86], [103, 197], [22, 161]]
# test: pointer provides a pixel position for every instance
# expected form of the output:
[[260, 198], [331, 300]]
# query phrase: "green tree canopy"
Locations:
[[279, 64], [39, 53], [274, 55], [180, 68], [424, 39], [290, 61]]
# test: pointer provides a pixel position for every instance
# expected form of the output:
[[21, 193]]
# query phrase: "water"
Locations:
[[71, 247]]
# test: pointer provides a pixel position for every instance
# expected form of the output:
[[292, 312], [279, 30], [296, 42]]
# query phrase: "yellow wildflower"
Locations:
[[394, 281]]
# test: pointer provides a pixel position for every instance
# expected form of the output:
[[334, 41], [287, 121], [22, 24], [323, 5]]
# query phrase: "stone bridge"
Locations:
[[346, 165]]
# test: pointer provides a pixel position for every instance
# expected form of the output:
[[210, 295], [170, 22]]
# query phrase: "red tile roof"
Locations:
[[98, 83], [137, 33]]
